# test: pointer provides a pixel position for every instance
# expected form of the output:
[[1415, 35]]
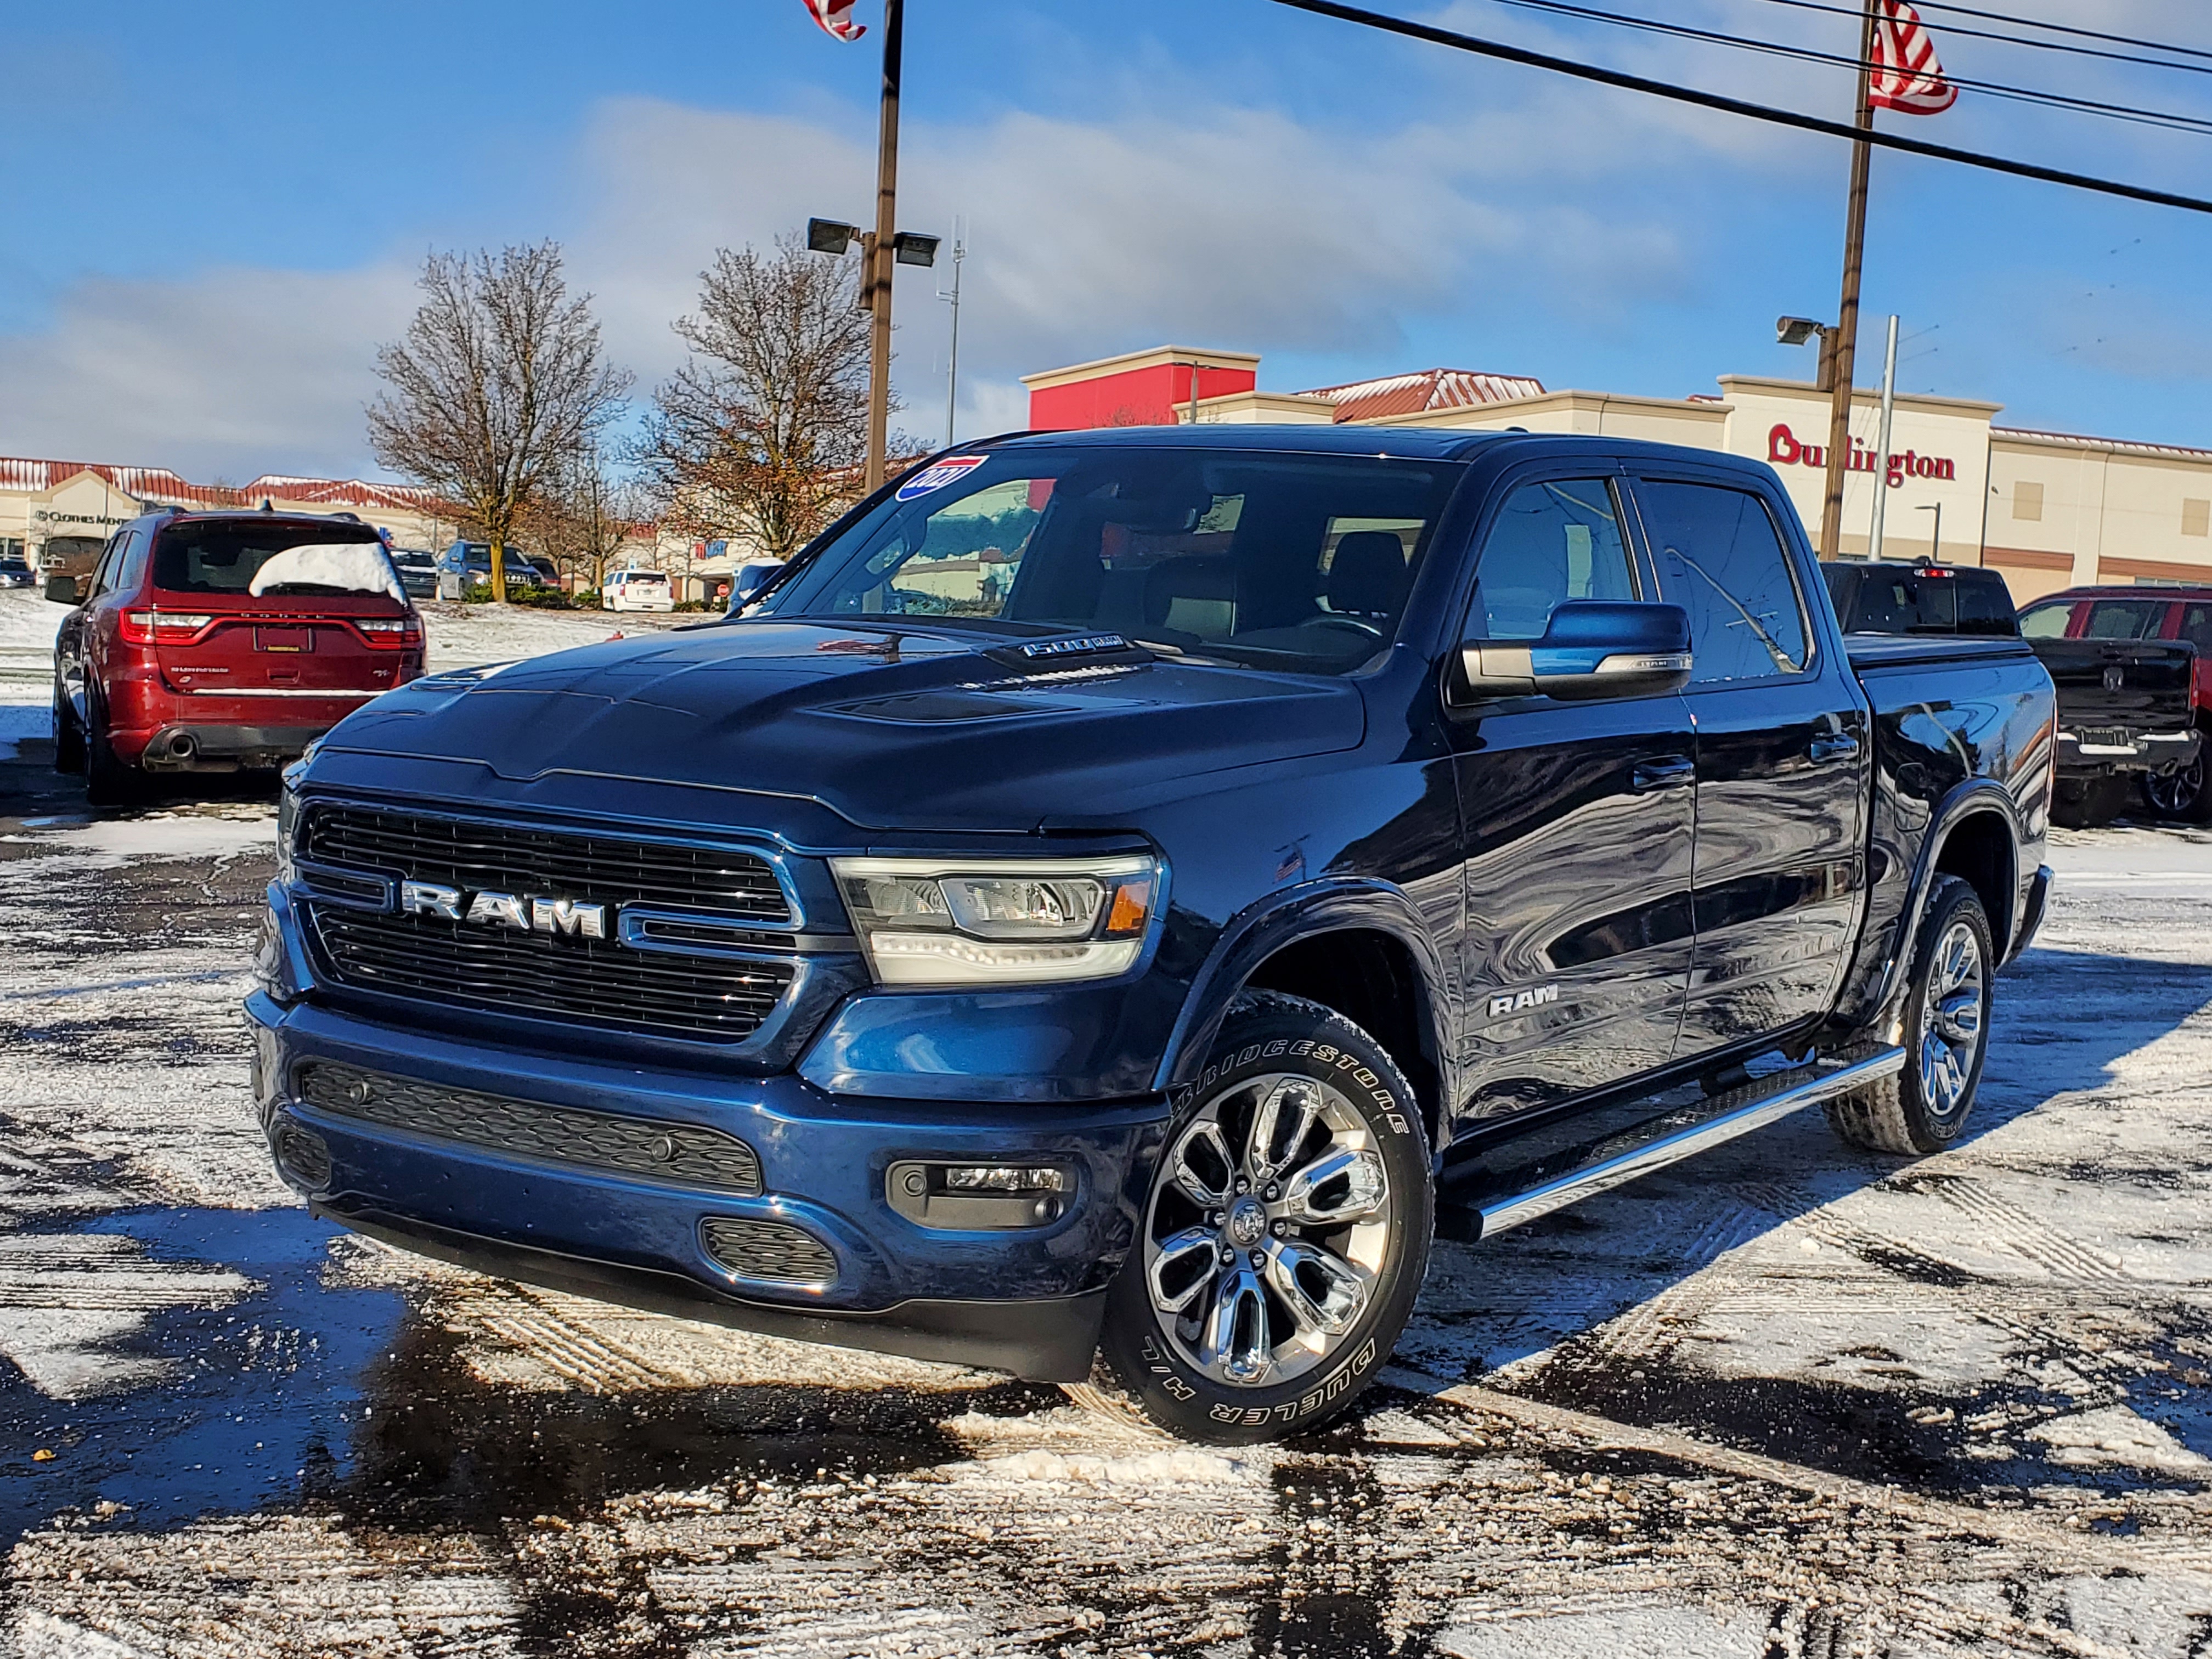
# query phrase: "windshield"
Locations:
[[1273, 559]]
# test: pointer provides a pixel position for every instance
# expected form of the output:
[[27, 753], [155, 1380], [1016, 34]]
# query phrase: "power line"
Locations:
[[2170, 119], [2066, 29], [1668, 89], [2039, 45]]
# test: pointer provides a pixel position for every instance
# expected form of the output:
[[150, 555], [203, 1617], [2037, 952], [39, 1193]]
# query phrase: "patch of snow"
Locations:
[[1184, 1467], [2113, 1434], [110, 844], [21, 723]]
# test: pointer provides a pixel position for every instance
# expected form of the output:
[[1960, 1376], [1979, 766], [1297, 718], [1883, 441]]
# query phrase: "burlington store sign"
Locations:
[[1785, 449]]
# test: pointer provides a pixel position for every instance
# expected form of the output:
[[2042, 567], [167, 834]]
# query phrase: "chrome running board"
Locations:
[[1669, 1137]]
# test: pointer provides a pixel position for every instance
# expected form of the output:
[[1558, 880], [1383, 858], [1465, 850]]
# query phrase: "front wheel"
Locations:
[[1285, 1233], [1947, 1035]]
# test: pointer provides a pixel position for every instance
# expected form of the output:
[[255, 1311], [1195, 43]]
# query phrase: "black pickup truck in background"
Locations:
[[2126, 708], [1291, 842]]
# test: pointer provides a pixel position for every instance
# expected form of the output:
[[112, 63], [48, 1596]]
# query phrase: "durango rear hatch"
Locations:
[[277, 607]]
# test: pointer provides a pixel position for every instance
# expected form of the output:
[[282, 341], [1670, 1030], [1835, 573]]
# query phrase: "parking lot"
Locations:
[[1784, 1400]]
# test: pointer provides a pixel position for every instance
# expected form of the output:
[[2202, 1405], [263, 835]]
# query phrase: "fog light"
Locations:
[[979, 1197], [1004, 1178]]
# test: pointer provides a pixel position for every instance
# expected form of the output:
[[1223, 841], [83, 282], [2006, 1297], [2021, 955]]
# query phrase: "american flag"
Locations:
[[1907, 75], [835, 16]]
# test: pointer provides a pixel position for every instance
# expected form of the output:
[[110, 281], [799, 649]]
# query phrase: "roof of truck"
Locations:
[[1405, 442]]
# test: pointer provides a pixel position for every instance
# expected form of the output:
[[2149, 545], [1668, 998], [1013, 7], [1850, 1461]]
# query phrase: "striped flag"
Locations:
[[836, 17], [1907, 75]]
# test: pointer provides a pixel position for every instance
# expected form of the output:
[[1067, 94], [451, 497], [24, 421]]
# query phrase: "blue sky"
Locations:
[[215, 212]]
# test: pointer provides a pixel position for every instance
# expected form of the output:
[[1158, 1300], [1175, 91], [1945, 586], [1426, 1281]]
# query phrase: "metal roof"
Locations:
[[1430, 389]]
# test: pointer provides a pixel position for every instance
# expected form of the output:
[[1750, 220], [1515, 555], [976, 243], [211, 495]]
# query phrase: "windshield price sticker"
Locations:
[[937, 474]]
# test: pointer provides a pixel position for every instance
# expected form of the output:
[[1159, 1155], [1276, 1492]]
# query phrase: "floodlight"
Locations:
[[1795, 331], [912, 248], [829, 236]]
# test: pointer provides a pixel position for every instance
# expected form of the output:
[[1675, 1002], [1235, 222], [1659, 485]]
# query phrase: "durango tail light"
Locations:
[[399, 633], [145, 626]]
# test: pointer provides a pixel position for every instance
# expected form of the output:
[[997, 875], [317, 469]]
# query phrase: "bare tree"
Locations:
[[586, 515], [498, 386], [763, 431]]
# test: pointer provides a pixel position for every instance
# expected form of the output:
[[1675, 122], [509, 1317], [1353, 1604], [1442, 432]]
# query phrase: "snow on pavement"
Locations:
[[1786, 1400]]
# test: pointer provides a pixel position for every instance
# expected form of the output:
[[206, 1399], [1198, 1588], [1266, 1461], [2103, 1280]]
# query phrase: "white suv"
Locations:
[[637, 589]]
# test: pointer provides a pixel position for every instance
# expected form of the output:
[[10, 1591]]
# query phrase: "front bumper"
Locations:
[[1028, 1300]]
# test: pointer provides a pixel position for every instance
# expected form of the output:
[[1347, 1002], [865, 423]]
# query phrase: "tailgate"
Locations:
[[2134, 685], [274, 653]]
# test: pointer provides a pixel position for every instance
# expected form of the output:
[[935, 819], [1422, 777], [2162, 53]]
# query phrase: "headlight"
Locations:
[[1012, 921]]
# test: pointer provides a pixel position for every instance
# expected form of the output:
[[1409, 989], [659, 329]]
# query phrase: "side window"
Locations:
[[1552, 542], [1721, 559], [2045, 621], [2125, 619], [2196, 627], [103, 573], [130, 563]]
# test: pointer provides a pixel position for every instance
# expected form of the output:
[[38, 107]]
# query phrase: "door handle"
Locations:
[[1833, 745], [1670, 773]]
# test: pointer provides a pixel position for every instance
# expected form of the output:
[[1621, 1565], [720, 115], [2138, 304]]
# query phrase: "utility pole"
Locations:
[[1845, 338], [876, 283], [1881, 442]]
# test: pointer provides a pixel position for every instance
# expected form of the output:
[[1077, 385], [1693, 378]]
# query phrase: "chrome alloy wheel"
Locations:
[[1265, 1230], [1952, 1019]]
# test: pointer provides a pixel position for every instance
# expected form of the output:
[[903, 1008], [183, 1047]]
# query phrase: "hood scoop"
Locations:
[[947, 708]]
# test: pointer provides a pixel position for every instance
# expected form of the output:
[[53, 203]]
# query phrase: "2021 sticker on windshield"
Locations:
[[937, 474]]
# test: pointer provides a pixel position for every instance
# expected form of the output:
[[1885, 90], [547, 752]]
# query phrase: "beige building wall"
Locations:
[[2065, 511]]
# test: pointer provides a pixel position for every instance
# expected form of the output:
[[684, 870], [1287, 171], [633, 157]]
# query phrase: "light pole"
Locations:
[[952, 374], [904, 247], [1881, 442], [1935, 537]]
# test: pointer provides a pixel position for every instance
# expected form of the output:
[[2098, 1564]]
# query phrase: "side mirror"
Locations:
[[61, 590], [1592, 648]]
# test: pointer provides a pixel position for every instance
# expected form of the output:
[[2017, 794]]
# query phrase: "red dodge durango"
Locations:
[[210, 642]]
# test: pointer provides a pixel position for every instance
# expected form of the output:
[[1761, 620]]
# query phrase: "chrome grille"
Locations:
[[688, 1154], [597, 869], [598, 981], [771, 1252]]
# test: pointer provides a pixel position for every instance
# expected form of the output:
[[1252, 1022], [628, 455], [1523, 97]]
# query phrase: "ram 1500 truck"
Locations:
[[1127, 891]]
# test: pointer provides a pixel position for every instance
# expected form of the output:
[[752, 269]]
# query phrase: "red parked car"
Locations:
[[2175, 615], [211, 642]]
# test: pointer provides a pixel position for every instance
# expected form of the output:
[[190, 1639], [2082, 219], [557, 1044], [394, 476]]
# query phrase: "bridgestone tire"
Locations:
[[1267, 1033], [1898, 1115], [68, 736]]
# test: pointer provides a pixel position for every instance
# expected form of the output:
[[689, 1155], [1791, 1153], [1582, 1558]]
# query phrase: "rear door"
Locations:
[[1782, 752], [1577, 822]]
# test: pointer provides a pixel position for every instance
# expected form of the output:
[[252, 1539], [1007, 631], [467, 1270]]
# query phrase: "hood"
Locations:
[[889, 725]]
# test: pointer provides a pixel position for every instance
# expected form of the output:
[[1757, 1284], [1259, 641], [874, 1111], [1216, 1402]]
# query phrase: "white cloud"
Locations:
[[228, 373]]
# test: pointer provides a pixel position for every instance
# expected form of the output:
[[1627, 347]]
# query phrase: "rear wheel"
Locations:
[[1947, 1035], [2181, 793], [69, 735], [1284, 1239], [108, 779]]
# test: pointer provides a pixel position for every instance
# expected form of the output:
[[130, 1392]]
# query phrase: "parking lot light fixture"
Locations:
[[830, 236], [910, 247]]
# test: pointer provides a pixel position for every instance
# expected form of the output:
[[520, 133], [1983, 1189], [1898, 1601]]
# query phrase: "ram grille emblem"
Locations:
[[524, 912]]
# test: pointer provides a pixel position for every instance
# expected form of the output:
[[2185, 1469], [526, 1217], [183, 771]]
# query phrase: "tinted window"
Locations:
[[1551, 542], [1984, 604], [2125, 619], [222, 555], [1283, 561], [2046, 622], [103, 573], [1879, 599], [1720, 558], [2196, 627]]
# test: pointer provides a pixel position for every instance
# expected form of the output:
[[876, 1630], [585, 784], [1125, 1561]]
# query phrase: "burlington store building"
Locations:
[[2049, 509]]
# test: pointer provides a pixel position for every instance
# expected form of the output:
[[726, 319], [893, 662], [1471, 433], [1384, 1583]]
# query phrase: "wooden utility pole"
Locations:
[[877, 252], [1843, 341]]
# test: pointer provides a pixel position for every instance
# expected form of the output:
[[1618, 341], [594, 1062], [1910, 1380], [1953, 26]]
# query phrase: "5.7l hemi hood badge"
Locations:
[[524, 912]]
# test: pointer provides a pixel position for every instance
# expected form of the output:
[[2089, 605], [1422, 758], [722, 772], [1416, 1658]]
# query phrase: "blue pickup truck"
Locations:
[[1121, 893]]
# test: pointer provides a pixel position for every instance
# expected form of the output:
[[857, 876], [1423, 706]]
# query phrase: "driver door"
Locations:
[[1578, 825]]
